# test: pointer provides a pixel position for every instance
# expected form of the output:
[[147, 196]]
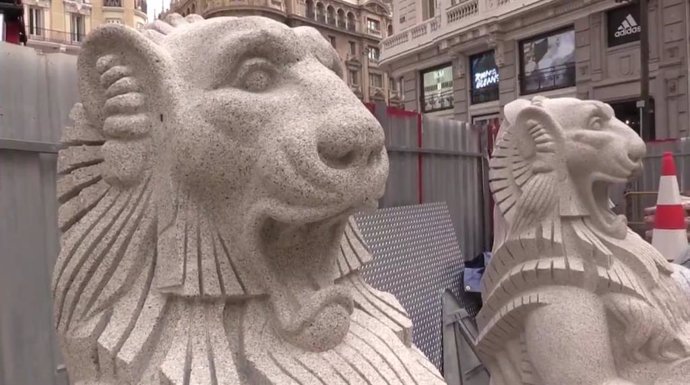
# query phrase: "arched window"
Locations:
[[320, 13], [341, 18], [390, 29], [351, 21], [193, 8], [330, 11], [310, 9], [187, 13]]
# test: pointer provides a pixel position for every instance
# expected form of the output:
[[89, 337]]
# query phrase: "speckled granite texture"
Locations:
[[206, 189]]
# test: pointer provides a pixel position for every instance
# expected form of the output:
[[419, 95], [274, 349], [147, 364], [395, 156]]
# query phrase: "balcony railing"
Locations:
[[461, 17], [463, 10], [274, 4], [59, 37]]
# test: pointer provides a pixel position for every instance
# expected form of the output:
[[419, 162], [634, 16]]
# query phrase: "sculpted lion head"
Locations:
[[206, 191], [562, 154]]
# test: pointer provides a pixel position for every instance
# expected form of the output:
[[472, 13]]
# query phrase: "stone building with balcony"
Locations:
[[466, 59], [354, 27], [61, 25]]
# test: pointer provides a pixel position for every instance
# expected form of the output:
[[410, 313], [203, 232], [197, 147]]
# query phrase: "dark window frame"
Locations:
[[521, 61], [485, 94], [422, 103]]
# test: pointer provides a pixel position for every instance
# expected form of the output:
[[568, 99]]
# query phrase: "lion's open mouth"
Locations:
[[298, 248], [611, 222], [600, 194]]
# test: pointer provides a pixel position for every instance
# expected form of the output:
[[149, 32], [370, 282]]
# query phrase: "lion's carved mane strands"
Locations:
[[207, 242], [567, 275]]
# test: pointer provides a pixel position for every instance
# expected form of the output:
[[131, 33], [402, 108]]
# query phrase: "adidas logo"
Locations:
[[628, 27]]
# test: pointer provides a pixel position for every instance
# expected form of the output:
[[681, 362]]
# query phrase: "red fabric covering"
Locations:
[[12, 30]]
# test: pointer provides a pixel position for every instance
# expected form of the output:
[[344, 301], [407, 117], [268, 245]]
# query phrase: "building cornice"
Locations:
[[517, 24]]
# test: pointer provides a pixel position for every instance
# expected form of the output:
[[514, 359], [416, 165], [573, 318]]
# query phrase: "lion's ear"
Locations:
[[539, 139], [119, 72]]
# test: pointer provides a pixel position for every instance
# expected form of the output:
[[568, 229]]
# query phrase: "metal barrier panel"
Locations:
[[416, 258], [37, 92]]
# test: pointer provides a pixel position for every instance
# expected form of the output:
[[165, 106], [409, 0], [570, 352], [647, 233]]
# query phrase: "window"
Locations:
[[374, 54], [320, 13], [35, 21], [354, 77], [341, 19], [428, 9], [547, 62], [113, 21], [623, 25], [77, 27], [376, 80], [392, 84], [141, 5], [351, 21], [332, 40], [374, 26], [112, 3], [331, 15], [311, 14], [484, 74], [193, 8], [353, 48], [437, 88], [390, 30]]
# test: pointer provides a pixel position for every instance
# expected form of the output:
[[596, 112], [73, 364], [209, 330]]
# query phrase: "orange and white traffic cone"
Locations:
[[670, 230]]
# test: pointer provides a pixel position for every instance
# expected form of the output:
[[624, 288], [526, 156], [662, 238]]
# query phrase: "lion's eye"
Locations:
[[257, 81], [255, 75], [595, 123]]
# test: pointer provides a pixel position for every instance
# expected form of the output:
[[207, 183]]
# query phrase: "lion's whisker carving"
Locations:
[[207, 241]]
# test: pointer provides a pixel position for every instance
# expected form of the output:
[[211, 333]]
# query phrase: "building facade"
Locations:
[[354, 27], [466, 59], [61, 25]]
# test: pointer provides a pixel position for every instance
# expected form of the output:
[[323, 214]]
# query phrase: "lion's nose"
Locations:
[[636, 149], [351, 144]]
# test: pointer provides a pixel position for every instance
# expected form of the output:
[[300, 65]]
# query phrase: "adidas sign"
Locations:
[[628, 27]]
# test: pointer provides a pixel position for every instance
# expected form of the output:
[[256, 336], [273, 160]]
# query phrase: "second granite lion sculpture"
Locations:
[[206, 189], [572, 295]]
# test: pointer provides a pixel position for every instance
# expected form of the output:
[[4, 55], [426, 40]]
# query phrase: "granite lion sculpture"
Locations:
[[206, 189], [572, 295]]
